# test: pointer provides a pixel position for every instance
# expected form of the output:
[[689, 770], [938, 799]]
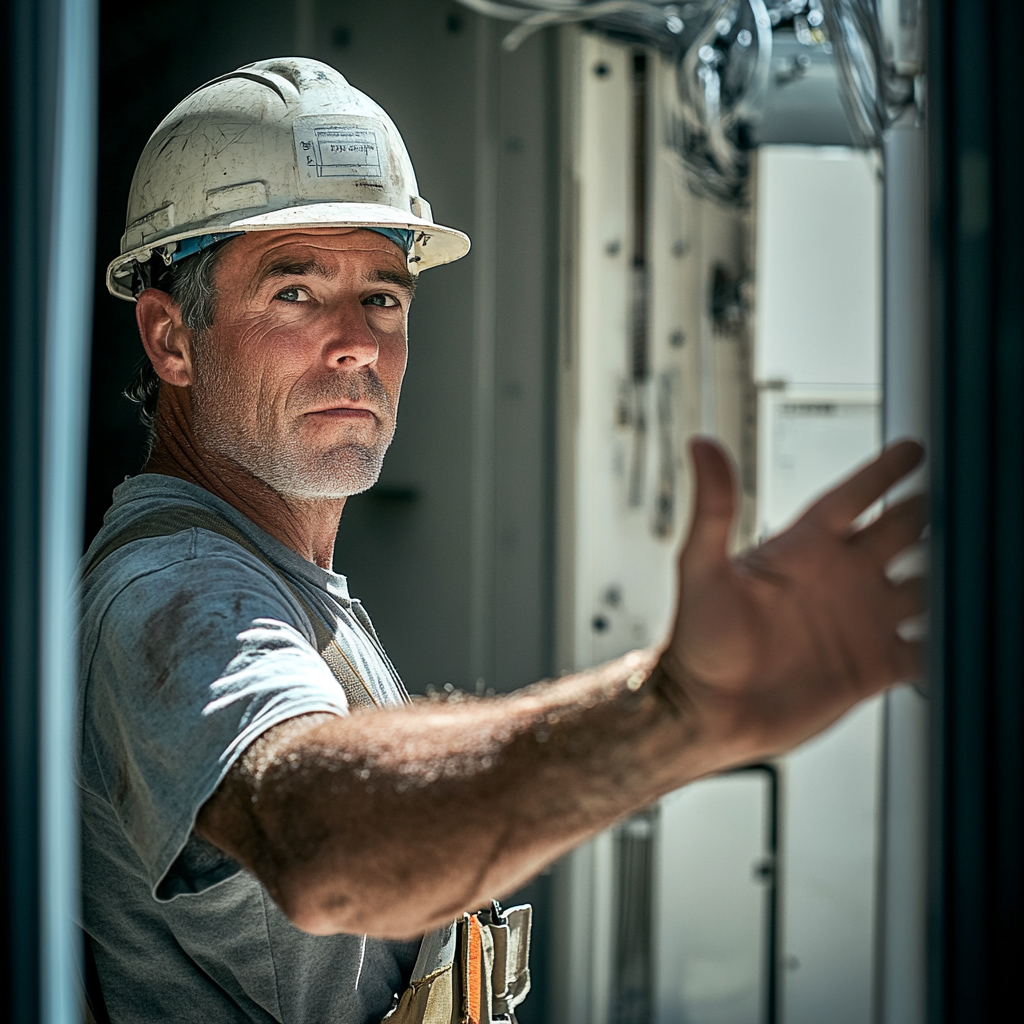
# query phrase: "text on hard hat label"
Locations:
[[338, 150]]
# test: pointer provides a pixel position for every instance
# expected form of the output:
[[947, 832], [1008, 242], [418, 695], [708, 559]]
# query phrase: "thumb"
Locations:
[[714, 505]]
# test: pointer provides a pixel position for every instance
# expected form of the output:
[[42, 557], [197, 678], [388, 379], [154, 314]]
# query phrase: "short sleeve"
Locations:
[[192, 662]]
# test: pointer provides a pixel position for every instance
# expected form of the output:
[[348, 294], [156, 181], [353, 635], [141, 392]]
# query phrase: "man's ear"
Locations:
[[167, 341]]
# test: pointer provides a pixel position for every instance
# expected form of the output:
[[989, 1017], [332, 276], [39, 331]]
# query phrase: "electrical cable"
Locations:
[[542, 19], [542, 13]]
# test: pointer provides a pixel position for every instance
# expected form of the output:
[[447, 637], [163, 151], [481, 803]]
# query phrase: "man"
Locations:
[[257, 846]]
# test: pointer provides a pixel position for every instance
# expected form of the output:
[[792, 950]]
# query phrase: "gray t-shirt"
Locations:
[[191, 647]]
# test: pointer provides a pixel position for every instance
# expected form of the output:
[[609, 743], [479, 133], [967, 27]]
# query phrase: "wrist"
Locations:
[[666, 683], [707, 735]]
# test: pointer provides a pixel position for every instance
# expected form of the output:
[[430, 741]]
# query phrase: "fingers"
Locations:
[[840, 506], [908, 598], [896, 529], [714, 506]]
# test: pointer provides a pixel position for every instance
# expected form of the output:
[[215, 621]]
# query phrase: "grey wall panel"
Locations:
[[524, 371]]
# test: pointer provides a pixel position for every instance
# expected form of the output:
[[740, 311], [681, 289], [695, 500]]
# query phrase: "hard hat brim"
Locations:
[[433, 245]]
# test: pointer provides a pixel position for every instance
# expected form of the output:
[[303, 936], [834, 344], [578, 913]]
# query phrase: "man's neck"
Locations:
[[307, 526]]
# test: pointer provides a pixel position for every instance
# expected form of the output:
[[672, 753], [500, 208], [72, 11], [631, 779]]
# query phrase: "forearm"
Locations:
[[393, 822]]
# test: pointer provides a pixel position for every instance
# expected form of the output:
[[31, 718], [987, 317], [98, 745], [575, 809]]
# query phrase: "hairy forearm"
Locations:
[[392, 822]]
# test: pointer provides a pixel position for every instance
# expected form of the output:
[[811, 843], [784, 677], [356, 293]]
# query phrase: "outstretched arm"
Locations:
[[393, 822]]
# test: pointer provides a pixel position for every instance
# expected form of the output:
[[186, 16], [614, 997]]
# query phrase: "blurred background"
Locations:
[[709, 217]]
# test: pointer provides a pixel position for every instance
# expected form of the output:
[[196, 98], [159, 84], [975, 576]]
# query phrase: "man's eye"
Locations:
[[293, 295], [380, 300]]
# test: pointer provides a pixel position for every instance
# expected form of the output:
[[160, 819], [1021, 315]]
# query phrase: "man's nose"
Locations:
[[352, 344]]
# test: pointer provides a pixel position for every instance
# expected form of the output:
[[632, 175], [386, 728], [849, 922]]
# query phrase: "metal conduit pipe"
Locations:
[[49, 127], [903, 853]]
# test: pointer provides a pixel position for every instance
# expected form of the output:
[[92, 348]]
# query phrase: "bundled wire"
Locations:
[[723, 50], [721, 77], [874, 94]]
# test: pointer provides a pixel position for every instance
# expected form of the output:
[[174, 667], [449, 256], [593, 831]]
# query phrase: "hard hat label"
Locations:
[[335, 149]]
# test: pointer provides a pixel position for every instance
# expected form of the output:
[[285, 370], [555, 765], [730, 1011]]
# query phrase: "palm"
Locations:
[[771, 647]]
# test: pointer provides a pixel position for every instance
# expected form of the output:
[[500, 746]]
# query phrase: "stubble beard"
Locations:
[[282, 459]]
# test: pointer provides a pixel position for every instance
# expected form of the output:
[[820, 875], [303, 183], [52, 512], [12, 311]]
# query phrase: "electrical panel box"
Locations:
[[654, 350], [748, 898]]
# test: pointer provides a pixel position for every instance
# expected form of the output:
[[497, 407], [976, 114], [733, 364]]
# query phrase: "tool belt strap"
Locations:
[[472, 971]]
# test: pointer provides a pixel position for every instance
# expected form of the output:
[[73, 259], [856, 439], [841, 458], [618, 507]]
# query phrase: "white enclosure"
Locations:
[[818, 356]]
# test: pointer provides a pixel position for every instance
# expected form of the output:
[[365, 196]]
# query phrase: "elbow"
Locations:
[[325, 916], [330, 907], [318, 908]]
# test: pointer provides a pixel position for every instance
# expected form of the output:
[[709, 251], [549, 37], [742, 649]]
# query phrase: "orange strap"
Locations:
[[474, 970]]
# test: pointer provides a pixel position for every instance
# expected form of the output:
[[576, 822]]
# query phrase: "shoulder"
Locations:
[[191, 596], [194, 569]]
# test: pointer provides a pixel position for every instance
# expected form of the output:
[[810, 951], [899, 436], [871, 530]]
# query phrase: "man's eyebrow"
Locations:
[[285, 266], [402, 278]]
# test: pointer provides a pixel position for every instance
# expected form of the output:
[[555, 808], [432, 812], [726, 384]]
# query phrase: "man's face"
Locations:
[[298, 379]]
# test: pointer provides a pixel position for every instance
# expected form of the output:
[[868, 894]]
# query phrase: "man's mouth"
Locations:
[[345, 412]]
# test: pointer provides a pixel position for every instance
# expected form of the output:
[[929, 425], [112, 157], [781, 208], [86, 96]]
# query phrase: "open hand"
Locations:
[[770, 648]]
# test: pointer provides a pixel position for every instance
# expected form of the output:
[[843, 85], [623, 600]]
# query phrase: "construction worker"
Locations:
[[271, 830]]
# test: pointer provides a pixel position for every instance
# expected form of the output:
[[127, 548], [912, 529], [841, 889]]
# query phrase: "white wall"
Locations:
[[817, 356]]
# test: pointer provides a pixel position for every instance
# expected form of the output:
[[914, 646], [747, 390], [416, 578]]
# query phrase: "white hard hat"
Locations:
[[283, 143]]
